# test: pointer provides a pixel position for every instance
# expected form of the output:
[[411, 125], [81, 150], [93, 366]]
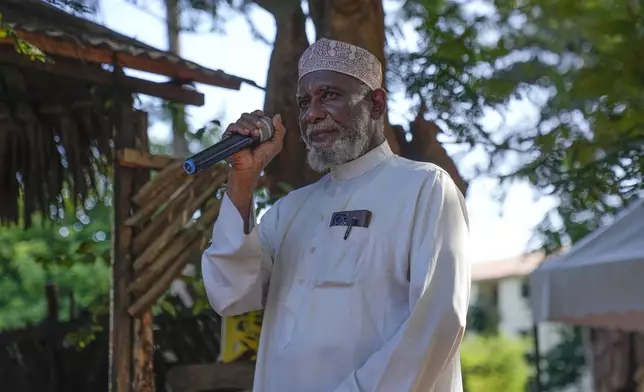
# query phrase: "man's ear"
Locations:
[[378, 103]]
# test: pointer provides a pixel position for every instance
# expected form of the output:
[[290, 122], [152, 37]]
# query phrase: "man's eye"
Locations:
[[303, 103], [328, 95]]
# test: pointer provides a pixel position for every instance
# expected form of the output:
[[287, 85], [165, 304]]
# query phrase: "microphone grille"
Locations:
[[267, 129]]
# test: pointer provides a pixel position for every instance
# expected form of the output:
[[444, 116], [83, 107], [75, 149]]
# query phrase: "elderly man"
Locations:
[[363, 275]]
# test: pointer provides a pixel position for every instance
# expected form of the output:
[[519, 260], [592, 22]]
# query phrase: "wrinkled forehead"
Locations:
[[324, 80]]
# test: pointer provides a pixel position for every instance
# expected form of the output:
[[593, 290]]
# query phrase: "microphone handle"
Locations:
[[217, 152]]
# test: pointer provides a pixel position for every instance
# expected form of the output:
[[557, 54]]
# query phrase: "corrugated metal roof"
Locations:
[[35, 16]]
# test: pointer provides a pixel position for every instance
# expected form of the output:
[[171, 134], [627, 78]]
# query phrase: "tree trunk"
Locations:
[[425, 147], [177, 111], [290, 42], [358, 22], [617, 361]]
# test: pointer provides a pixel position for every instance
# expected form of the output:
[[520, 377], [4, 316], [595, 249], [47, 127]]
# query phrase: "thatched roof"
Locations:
[[55, 118], [53, 132]]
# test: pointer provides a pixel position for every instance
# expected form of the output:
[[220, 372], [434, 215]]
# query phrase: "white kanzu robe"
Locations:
[[383, 310]]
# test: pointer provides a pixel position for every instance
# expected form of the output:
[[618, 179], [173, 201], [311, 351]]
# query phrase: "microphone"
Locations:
[[227, 147]]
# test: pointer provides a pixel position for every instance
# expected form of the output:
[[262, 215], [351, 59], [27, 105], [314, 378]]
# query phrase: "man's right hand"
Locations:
[[248, 163]]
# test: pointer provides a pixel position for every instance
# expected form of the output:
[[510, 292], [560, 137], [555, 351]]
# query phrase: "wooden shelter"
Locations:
[[68, 122]]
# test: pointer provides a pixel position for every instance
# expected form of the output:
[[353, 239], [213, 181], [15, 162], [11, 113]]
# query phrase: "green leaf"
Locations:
[[507, 370], [168, 308], [107, 256], [200, 133], [86, 247], [87, 258]]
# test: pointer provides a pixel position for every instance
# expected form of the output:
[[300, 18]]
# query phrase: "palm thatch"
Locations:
[[55, 137]]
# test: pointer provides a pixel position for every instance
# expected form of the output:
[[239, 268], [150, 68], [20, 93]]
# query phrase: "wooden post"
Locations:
[[144, 354], [143, 350], [121, 324], [537, 358], [53, 353], [131, 341]]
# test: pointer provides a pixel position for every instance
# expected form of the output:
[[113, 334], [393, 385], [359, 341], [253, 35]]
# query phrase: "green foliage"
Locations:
[[23, 47], [483, 319], [563, 363], [205, 136], [578, 64], [26, 48], [82, 337], [197, 139], [494, 363], [196, 285], [564, 58], [73, 255]]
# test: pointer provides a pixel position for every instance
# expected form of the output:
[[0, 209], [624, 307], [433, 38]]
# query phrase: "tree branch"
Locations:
[[278, 8]]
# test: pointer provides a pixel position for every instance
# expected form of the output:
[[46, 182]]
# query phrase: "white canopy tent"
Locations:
[[598, 282]]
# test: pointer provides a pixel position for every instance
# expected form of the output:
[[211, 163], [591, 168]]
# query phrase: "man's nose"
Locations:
[[315, 112]]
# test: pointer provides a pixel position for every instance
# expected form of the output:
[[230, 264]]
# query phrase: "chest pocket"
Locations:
[[341, 262]]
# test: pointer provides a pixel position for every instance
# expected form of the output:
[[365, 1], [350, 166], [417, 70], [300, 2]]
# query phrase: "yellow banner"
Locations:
[[240, 337]]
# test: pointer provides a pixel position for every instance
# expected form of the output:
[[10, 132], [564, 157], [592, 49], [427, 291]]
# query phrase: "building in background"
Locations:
[[500, 289]]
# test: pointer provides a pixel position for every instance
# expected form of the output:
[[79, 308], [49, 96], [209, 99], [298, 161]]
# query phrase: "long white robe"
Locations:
[[383, 310]]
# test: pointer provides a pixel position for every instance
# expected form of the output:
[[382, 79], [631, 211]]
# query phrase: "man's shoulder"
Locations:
[[409, 169]]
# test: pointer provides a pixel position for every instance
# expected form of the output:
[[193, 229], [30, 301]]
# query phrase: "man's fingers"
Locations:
[[267, 151], [279, 127], [250, 119], [258, 113], [232, 128], [247, 125]]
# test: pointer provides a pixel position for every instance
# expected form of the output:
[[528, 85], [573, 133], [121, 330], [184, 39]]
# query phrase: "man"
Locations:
[[362, 275]]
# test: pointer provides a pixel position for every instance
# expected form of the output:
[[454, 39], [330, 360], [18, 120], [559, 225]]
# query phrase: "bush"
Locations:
[[494, 364]]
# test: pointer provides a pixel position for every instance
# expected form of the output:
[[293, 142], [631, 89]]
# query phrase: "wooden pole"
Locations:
[[121, 324], [131, 340], [537, 358], [55, 381], [143, 350]]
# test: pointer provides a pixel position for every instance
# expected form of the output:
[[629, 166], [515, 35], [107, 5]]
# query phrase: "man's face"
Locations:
[[334, 118]]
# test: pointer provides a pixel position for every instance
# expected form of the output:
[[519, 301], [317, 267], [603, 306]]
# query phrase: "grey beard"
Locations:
[[351, 143]]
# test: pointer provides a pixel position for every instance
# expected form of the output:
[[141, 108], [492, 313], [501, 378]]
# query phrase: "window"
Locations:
[[525, 288]]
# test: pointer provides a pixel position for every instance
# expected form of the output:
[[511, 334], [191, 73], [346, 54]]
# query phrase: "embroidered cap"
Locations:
[[341, 57]]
